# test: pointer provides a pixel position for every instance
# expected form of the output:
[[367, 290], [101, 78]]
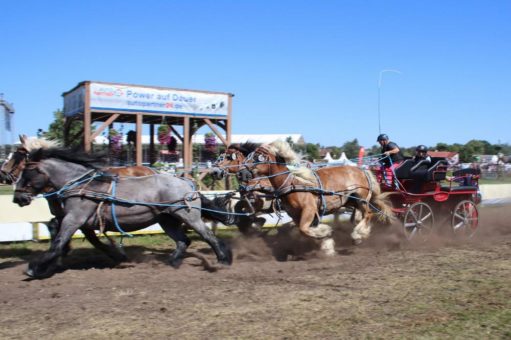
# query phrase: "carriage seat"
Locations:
[[403, 171], [438, 170]]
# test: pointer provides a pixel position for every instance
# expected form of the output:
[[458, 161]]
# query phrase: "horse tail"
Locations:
[[216, 209], [379, 201]]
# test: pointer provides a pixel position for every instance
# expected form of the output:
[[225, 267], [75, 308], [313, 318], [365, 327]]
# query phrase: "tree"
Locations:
[[441, 147], [56, 129], [312, 151], [351, 149]]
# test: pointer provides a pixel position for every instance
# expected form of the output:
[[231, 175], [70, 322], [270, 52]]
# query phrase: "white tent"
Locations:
[[342, 160]]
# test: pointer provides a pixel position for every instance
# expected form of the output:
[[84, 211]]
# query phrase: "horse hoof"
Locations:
[[120, 258], [225, 263], [35, 274], [176, 263]]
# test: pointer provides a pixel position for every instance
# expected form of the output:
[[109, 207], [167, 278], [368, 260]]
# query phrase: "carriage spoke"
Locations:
[[418, 220], [426, 217], [465, 218]]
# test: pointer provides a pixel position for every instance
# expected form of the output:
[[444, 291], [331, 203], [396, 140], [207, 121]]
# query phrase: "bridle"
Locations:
[[17, 166], [35, 166], [231, 157]]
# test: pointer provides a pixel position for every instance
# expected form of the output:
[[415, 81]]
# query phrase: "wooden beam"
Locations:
[[103, 126], [152, 155], [213, 128], [139, 139], [177, 134], [187, 155], [87, 120]]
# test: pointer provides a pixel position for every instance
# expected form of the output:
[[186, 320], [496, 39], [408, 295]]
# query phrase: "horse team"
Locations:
[[83, 194]]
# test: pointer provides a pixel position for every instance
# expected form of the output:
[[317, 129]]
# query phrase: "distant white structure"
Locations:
[[342, 160], [199, 139], [6, 126]]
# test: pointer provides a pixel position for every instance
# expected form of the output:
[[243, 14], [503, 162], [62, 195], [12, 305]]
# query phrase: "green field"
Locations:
[[5, 190]]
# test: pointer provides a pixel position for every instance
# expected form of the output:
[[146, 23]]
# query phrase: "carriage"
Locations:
[[424, 198]]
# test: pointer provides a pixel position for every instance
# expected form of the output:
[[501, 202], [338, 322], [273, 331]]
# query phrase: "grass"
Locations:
[[5, 190], [25, 248]]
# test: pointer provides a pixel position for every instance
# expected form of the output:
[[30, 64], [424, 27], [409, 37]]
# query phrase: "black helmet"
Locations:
[[421, 148], [382, 137]]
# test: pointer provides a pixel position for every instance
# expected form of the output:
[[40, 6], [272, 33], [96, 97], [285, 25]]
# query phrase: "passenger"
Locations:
[[393, 159], [419, 171], [421, 154]]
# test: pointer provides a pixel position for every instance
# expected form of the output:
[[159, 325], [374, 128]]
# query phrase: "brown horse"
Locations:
[[307, 195], [254, 196]]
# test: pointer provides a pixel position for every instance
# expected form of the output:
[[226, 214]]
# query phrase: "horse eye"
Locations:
[[260, 158], [233, 156]]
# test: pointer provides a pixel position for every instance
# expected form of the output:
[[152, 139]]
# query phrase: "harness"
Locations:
[[286, 189]]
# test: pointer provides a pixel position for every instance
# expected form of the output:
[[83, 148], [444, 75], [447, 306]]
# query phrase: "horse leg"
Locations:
[[173, 228], [363, 228], [321, 231], [193, 219], [46, 264], [53, 228], [110, 250]]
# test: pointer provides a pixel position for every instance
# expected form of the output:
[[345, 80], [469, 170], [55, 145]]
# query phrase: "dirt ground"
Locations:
[[385, 288]]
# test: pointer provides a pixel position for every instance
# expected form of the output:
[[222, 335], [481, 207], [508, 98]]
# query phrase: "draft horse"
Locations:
[[12, 168], [306, 195], [88, 196], [254, 196]]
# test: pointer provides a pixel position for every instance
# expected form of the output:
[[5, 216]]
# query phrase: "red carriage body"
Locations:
[[423, 197]]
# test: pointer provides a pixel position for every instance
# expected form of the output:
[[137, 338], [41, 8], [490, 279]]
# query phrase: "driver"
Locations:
[[393, 154], [419, 171]]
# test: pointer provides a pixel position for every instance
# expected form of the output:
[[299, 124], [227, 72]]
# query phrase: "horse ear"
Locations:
[[23, 139]]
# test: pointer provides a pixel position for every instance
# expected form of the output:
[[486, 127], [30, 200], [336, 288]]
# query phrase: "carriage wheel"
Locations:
[[418, 221], [465, 219]]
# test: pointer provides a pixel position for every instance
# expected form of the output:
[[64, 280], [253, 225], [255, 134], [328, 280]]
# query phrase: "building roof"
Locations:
[[442, 154]]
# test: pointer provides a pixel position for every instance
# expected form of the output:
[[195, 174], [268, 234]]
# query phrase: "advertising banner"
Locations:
[[115, 97]]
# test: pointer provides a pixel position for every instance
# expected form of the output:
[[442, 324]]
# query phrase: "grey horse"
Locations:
[[88, 198]]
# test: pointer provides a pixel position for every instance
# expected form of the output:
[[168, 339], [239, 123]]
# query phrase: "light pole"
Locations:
[[379, 95]]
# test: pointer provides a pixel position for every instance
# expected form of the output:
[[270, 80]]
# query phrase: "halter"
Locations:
[[49, 184], [17, 166], [231, 157]]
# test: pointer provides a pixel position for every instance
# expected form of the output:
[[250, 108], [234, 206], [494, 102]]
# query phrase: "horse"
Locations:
[[16, 163], [306, 195], [254, 198], [88, 197]]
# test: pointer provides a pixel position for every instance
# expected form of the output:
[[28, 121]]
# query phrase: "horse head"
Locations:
[[32, 182], [231, 161], [51, 169], [257, 164], [13, 165]]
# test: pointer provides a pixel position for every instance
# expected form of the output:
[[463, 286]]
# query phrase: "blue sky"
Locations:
[[309, 67]]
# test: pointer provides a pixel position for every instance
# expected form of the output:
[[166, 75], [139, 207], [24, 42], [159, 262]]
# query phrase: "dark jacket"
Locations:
[[396, 157]]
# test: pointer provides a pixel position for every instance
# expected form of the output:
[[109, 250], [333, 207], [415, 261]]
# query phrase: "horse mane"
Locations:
[[245, 148], [283, 150], [94, 161], [32, 144]]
